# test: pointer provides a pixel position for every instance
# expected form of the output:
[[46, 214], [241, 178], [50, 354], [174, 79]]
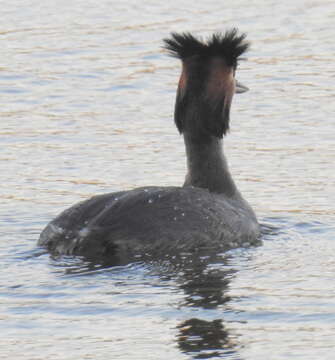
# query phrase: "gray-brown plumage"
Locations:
[[207, 212]]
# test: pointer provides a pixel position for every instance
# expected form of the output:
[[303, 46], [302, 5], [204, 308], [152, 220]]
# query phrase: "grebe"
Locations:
[[208, 211]]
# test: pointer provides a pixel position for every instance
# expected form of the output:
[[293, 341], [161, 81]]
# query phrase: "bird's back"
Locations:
[[151, 220]]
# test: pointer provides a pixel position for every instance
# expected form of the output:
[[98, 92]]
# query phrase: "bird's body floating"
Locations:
[[207, 212]]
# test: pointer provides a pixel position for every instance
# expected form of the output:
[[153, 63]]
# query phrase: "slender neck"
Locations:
[[207, 166]]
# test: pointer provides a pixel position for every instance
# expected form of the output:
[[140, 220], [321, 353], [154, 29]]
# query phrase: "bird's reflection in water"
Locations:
[[205, 282], [204, 339], [206, 288]]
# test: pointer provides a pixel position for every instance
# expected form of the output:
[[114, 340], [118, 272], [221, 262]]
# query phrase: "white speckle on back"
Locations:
[[57, 230], [84, 232]]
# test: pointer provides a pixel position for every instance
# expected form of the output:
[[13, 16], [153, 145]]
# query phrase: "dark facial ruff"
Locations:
[[207, 82]]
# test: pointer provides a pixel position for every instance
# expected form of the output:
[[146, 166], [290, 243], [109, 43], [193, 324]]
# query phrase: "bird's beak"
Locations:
[[240, 88]]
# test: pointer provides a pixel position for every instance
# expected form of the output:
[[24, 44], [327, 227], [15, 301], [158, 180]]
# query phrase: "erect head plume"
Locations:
[[229, 45], [207, 82]]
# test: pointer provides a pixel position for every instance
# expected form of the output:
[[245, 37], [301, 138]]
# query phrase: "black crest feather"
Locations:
[[229, 45], [205, 87]]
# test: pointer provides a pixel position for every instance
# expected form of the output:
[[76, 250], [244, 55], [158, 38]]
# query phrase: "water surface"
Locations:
[[87, 105]]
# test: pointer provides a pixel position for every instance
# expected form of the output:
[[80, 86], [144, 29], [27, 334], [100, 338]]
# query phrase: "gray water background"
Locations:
[[87, 98]]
